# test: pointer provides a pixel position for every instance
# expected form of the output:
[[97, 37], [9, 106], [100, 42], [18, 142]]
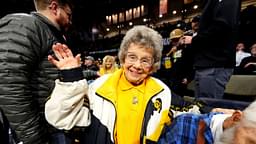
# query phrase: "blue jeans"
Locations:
[[211, 82]]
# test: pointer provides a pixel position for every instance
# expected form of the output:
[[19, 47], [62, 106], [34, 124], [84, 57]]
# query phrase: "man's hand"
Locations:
[[185, 40], [64, 57]]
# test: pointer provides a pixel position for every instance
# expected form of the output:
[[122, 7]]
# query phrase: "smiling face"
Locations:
[[109, 63], [138, 63]]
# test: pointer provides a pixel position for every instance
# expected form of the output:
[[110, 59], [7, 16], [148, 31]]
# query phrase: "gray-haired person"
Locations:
[[127, 106], [244, 131]]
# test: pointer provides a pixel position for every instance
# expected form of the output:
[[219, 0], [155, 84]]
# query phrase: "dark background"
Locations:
[[86, 12]]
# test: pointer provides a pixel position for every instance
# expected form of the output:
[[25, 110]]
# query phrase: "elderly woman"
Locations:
[[127, 106]]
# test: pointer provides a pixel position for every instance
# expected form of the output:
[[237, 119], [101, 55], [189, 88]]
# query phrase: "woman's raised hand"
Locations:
[[64, 58]]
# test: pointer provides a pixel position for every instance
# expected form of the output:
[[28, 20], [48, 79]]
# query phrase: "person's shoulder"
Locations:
[[20, 22], [160, 82], [19, 19], [18, 16], [157, 80]]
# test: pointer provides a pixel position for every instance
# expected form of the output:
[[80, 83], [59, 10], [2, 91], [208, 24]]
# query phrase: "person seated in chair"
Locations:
[[248, 64], [221, 126]]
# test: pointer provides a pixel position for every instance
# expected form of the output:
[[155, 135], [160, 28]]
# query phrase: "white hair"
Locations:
[[146, 37], [249, 115], [248, 120]]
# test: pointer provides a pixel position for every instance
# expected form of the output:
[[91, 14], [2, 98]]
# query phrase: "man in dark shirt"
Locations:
[[214, 47]]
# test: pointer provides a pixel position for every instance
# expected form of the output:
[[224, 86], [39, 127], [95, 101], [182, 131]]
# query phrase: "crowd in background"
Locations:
[[104, 46], [124, 97]]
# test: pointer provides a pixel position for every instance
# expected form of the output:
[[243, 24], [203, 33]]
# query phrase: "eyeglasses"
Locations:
[[144, 62]]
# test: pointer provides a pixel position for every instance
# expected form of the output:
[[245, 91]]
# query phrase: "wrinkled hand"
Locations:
[[224, 110], [65, 59]]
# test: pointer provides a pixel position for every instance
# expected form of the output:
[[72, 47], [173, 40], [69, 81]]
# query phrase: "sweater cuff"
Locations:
[[70, 75], [203, 106]]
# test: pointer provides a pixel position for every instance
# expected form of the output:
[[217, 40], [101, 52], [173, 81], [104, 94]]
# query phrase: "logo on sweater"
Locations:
[[158, 105]]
